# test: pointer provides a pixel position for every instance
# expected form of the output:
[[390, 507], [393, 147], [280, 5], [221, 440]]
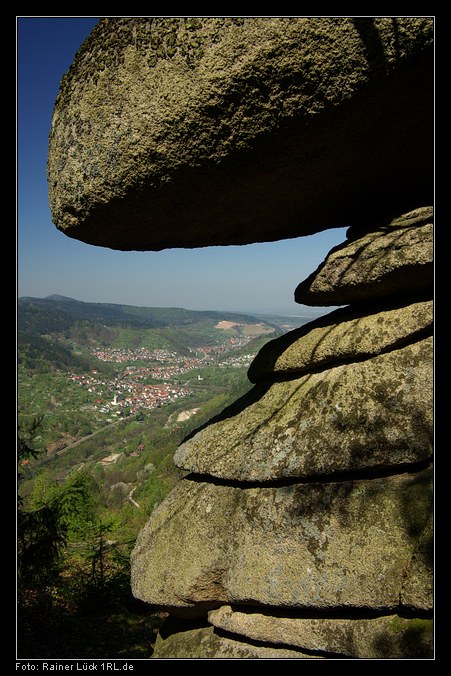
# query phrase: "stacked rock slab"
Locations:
[[306, 522], [303, 528]]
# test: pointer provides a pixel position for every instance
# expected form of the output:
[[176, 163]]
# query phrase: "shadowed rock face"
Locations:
[[173, 132], [393, 260]]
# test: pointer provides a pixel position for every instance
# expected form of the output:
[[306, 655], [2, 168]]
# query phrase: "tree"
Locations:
[[43, 530], [25, 452]]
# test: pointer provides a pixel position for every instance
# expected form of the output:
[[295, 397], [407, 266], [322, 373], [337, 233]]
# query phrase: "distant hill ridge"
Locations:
[[57, 296], [58, 313], [60, 332]]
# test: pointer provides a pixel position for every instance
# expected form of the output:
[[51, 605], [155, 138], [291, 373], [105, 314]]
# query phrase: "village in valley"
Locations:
[[133, 388], [84, 369]]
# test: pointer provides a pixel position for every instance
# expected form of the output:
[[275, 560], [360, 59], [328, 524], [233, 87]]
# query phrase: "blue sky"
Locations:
[[257, 277]]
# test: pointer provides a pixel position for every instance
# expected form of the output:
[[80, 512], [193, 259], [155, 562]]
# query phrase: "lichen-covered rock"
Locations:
[[387, 262], [344, 335], [183, 132], [206, 643], [371, 414], [378, 637], [328, 545]]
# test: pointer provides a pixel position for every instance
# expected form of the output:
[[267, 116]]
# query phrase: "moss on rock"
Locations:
[[367, 415], [369, 638], [330, 545], [204, 642], [343, 335]]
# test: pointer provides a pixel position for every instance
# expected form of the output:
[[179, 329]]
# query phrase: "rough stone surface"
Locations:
[[343, 335], [370, 414], [418, 589], [184, 132], [387, 636], [345, 544], [380, 264], [420, 216], [206, 643]]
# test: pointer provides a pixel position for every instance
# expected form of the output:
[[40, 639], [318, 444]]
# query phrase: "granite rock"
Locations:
[[385, 263], [371, 414], [369, 638], [204, 642], [187, 132], [344, 335], [312, 546]]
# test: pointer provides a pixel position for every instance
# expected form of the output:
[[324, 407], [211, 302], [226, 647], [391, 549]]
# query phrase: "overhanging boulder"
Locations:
[[187, 132]]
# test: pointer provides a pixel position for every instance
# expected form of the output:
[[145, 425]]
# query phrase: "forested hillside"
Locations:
[[57, 313]]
